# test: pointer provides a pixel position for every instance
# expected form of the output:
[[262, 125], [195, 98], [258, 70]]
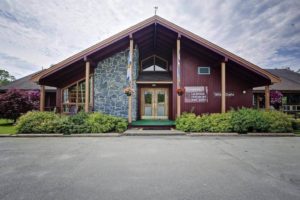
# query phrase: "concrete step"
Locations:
[[141, 132]]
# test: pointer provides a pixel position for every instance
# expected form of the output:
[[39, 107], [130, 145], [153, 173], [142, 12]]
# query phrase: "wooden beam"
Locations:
[[42, 98], [130, 84], [87, 86], [178, 77], [155, 36], [139, 35], [267, 97], [223, 87]]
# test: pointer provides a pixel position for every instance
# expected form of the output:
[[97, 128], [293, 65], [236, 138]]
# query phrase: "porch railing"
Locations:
[[290, 108]]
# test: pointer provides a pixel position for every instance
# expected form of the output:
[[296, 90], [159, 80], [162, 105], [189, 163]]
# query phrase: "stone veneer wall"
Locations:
[[110, 80]]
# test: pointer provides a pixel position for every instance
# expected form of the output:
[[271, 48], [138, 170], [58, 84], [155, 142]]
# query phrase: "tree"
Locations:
[[15, 102], [5, 77]]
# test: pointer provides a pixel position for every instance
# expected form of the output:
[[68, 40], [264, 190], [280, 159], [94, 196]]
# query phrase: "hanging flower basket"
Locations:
[[180, 91], [128, 91]]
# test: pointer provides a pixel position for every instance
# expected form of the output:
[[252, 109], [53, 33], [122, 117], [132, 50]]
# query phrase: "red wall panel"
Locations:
[[189, 77]]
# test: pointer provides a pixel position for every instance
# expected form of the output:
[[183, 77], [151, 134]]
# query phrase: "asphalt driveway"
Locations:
[[150, 168]]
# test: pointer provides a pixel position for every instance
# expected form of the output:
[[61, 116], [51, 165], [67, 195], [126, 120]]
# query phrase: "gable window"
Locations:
[[73, 96], [204, 70], [154, 63]]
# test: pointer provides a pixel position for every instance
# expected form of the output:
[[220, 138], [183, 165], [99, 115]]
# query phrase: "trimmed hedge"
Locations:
[[36, 122], [242, 121], [48, 122]]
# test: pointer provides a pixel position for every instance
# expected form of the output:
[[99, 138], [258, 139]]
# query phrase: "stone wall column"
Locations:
[[109, 82]]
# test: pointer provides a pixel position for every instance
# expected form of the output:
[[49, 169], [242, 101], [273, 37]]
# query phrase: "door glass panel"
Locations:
[[161, 103], [148, 103]]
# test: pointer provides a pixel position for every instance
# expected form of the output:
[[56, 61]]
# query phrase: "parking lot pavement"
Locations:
[[158, 167]]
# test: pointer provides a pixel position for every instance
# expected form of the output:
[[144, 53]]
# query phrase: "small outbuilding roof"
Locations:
[[25, 84], [290, 80]]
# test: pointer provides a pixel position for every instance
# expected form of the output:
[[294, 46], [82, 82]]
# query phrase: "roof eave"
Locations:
[[168, 24]]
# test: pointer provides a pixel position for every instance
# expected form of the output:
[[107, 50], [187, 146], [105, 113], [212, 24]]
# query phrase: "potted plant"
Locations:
[[180, 91], [128, 91]]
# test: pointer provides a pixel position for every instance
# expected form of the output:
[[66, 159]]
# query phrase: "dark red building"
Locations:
[[158, 60]]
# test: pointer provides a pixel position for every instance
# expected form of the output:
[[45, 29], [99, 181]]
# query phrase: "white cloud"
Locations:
[[37, 33]]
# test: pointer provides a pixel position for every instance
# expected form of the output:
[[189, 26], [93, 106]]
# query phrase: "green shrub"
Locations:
[[279, 122], [201, 124], [186, 122], [102, 123], [242, 121], [121, 126], [220, 122], [48, 122], [36, 122], [62, 125], [262, 124], [189, 122], [296, 124]]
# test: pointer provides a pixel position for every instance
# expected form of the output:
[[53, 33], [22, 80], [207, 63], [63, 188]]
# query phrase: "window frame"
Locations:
[[77, 104], [203, 67], [154, 56]]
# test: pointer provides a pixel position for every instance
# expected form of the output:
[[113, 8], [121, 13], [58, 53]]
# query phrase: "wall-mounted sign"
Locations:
[[196, 94], [227, 94]]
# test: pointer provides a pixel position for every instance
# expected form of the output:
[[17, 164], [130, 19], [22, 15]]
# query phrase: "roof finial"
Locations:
[[155, 9]]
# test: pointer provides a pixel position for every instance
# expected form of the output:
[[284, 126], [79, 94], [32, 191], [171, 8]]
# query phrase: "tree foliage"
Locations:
[[5, 77], [15, 102]]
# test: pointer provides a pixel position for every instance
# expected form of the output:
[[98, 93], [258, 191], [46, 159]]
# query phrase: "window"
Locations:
[[73, 97], [154, 63], [154, 68], [204, 70]]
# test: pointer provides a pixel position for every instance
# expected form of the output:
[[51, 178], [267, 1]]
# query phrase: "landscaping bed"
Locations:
[[240, 121], [82, 123]]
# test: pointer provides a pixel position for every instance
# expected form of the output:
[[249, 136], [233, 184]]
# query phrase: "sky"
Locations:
[[36, 34]]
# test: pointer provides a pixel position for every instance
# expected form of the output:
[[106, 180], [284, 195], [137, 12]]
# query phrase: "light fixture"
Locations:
[[244, 91], [153, 85]]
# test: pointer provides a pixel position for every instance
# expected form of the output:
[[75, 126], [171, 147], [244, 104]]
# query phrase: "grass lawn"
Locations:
[[6, 127]]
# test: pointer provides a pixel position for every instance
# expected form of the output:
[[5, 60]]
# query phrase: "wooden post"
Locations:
[[178, 78], [87, 86], [130, 83], [223, 87], [42, 98], [257, 101], [267, 97]]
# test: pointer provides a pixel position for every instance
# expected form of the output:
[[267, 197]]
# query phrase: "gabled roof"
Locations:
[[290, 81], [25, 84], [155, 19]]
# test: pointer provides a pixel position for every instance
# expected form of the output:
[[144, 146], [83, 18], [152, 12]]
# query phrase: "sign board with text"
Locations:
[[196, 94], [227, 94]]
